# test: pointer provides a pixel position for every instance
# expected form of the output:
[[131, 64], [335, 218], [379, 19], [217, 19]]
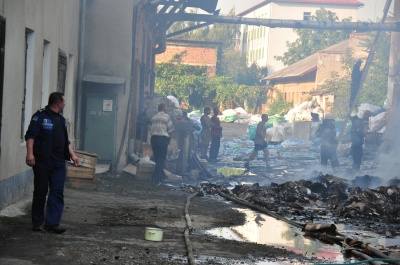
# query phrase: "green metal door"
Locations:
[[101, 126]]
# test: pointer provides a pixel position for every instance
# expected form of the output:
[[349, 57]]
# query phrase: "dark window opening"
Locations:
[[62, 71], [307, 16]]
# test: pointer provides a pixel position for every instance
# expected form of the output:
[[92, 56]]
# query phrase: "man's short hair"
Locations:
[[55, 97], [264, 116], [162, 106], [207, 109]]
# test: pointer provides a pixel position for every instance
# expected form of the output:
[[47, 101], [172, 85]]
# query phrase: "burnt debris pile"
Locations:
[[324, 199]]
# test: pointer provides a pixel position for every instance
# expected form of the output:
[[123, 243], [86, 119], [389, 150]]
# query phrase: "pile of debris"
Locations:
[[325, 198]]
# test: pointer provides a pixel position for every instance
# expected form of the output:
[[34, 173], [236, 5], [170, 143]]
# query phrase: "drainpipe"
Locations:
[[79, 89], [162, 40], [130, 98]]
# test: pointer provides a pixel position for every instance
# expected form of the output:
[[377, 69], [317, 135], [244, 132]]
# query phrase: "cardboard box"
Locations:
[[143, 170]]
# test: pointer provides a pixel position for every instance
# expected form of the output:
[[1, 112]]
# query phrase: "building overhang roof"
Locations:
[[300, 68], [104, 79]]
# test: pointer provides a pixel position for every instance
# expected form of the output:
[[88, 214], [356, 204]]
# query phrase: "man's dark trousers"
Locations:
[[215, 145], [357, 153], [48, 176], [159, 145], [329, 153]]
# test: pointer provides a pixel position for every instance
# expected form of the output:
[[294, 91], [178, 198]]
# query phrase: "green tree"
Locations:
[[235, 82], [312, 40], [186, 82], [278, 105], [374, 89]]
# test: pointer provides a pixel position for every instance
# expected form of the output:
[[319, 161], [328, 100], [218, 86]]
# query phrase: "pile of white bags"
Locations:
[[238, 115], [276, 134], [302, 112], [375, 110], [376, 123]]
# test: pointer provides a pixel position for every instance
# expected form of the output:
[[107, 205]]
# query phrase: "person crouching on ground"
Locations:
[[327, 132], [48, 148], [205, 134], [260, 143], [161, 133], [216, 134]]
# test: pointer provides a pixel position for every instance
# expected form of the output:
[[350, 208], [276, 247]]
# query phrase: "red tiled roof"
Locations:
[[327, 2]]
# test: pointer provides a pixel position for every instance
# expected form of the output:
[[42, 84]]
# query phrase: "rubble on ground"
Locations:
[[325, 198]]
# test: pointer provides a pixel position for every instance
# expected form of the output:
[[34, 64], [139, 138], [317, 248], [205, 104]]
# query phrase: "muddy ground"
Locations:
[[107, 226]]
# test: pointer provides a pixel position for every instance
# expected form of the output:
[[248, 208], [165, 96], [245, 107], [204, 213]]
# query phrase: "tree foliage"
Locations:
[[278, 105], [188, 83], [235, 82], [374, 89], [312, 40]]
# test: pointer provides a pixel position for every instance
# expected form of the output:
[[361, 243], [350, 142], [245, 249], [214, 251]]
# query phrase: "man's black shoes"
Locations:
[[37, 228], [54, 229]]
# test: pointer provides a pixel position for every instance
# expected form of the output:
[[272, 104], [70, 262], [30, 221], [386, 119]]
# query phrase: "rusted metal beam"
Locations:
[[281, 23]]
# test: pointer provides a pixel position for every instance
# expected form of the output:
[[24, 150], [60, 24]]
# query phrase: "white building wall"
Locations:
[[56, 22], [274, 41]]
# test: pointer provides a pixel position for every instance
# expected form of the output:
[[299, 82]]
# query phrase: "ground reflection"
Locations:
[[263, 229]]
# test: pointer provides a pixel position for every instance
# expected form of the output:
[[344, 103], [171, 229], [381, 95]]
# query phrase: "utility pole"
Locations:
[[393, 92]]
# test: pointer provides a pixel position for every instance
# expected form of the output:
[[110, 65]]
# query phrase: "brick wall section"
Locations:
[[194, 56]]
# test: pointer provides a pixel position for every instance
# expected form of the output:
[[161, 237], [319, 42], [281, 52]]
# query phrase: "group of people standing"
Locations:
[[211, 132], [326, 132]]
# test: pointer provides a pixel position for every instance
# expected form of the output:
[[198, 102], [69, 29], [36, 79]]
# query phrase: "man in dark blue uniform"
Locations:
[[357, 140], [327, 132], [48, 147]]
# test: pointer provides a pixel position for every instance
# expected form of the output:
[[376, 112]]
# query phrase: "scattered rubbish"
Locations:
[[227, 172]]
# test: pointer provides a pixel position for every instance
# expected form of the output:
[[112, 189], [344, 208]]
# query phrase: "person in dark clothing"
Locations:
[[48, 147], [161, 133], [327, 132], [216, 134], [355, 81], [357, 140]]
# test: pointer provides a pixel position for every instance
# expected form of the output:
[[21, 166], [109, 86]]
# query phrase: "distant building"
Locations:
[[303, 79], [261, 44], [198, 53]]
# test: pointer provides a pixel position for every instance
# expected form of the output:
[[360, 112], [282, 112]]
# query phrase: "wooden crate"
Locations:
[[141, 171], [78, 183], [87, 159], [79, 172]]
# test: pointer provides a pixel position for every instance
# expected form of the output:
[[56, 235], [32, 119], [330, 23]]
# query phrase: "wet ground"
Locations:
[[107, 225]]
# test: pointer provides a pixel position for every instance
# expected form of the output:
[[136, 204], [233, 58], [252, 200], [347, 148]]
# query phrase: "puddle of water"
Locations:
[[263, 229]]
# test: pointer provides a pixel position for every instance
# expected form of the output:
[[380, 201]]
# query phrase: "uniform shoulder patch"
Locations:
[[35, 118]]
